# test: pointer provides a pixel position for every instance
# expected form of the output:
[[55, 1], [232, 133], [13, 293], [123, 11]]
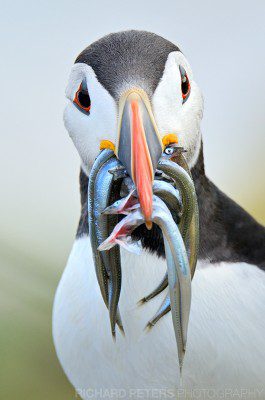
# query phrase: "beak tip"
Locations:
[[149, 225]]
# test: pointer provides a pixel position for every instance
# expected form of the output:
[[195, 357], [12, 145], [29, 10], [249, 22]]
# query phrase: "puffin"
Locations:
[[225, 352]]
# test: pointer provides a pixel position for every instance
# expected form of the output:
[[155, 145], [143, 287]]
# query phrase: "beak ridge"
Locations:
[[139, 146]]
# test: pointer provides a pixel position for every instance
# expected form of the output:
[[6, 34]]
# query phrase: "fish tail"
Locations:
[[113, 332], [149, 326], [115, 289], [162, 286], [142, 301], [113, 307], [112, 318], [163, 310], [120, 326]]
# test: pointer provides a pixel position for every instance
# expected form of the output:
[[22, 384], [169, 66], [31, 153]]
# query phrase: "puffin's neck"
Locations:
[[227, 232]]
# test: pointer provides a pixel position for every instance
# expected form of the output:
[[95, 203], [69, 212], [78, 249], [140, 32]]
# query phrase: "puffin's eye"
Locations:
[[82, 98], [185, 84]]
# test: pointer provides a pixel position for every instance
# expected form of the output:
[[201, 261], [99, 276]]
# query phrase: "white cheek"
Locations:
[[174, 117], [87, 131], [167, 98], [189, 120]]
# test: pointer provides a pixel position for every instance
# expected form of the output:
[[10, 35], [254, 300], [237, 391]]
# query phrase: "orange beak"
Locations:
[[139, 146]]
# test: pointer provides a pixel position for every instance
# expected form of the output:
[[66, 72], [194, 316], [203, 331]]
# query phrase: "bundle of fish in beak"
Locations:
[[115, 212]]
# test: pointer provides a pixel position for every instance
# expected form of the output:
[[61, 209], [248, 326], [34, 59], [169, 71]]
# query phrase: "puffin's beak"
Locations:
[[139, 146]]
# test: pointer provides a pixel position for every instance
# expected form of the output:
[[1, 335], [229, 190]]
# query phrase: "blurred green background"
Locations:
[[39, 165]]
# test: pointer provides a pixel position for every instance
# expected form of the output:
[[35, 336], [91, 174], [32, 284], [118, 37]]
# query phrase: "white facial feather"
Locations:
[[87, 131], [170, 114]]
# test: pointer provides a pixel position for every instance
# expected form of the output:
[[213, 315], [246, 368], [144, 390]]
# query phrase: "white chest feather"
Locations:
[[226, 341]]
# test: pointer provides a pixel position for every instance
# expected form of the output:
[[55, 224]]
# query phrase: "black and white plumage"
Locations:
[[226, 344]]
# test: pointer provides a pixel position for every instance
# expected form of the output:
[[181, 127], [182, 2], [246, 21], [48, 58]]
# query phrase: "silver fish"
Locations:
[[103, 227], [172, 198], [164, 190], [179, 278], [118, 172], [170, 195], [122, 230], [162, 286], [124, 205], [163, 310], [194, 226], [189, 221], [100, 268], [101, 273], [177, 263]]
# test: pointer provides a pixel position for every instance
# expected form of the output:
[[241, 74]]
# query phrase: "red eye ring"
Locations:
[[187, 92], [82, 98], [185, 84]]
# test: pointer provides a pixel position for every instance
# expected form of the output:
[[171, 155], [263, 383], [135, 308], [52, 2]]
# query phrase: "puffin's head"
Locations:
[[131, 89]]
